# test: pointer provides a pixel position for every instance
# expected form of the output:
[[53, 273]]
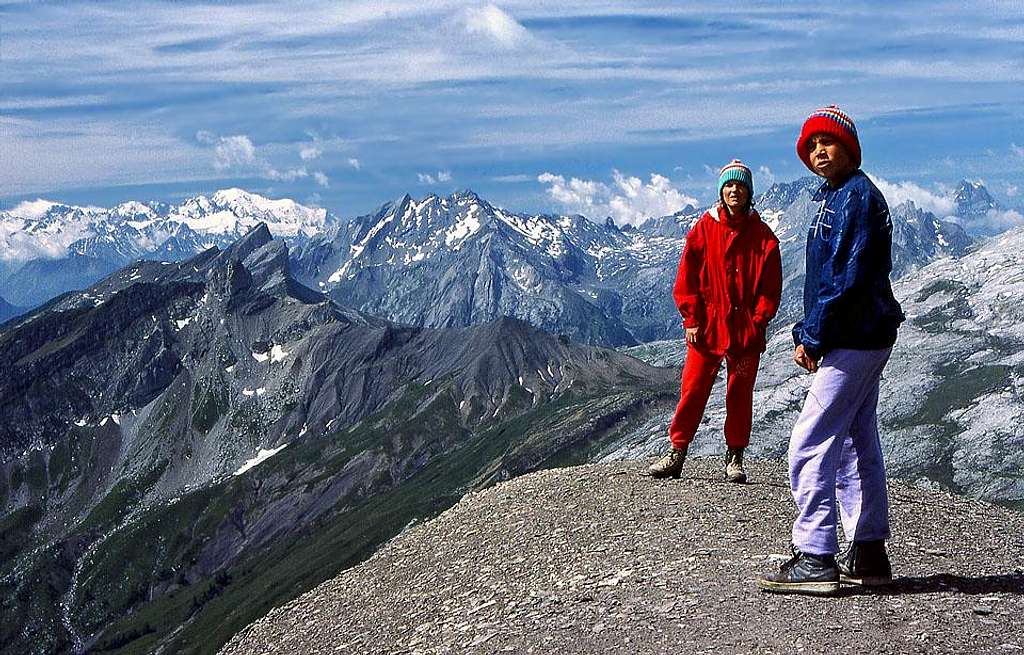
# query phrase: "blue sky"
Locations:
[[609, 108]]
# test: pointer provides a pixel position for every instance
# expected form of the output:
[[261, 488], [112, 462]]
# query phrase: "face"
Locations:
[[829, 158], [735, 195]]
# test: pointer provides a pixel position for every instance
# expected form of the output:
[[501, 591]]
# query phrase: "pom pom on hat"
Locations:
[[736, 170], [829, 120]]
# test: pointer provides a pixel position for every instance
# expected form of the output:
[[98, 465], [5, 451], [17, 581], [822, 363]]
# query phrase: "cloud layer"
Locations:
[[628, 200], [367, 96]]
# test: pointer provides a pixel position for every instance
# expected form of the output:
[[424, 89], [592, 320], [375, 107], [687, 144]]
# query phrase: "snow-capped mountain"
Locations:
[[459, 261], [441, 262], [972, 200], [952, 402], [48, 248]]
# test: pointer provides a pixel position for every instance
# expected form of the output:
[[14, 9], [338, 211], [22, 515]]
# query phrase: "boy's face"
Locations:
[[735, 195], [828, 156]]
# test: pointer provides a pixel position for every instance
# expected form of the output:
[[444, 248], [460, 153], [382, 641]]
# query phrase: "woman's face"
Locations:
[[735, 195]]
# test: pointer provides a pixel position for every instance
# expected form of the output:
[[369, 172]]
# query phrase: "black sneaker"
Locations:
[[815, 575], [866, 563]]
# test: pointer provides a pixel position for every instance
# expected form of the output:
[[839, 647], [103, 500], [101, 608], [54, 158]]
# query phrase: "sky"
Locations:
[[622, 109]]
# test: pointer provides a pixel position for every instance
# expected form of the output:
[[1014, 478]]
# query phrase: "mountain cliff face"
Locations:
[[951, 405], [50, 248], [201, 439]]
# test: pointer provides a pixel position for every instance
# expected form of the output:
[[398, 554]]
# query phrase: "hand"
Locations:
[[691, 335], [803, 360]]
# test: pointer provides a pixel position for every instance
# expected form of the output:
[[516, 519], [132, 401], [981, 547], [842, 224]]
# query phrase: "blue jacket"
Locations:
[[848, 301]]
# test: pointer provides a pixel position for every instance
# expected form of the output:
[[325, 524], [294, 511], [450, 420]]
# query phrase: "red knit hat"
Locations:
[[829, 120]]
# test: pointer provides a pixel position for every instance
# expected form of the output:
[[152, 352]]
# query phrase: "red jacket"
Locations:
[[729, 282]]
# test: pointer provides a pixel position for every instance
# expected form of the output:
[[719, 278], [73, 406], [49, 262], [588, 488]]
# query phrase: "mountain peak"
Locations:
[[973, 195]]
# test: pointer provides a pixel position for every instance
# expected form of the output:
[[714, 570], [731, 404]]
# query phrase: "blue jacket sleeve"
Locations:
[[846, 265]]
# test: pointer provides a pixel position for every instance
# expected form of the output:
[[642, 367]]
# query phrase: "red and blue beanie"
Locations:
[[735, 170], [829, 120]]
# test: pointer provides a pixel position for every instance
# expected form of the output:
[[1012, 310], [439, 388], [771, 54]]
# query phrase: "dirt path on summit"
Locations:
[[596, 559]]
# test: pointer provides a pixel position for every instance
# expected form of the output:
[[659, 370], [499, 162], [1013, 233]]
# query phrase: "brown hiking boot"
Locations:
[[669, 466], [734, 466]]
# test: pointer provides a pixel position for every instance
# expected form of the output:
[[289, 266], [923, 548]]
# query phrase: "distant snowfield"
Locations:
[[261, 456], [49, 230]]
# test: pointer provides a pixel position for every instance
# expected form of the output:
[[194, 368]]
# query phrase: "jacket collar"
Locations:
[[721, 215]]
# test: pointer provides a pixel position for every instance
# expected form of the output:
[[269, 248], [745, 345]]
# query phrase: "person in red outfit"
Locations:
[[728, 288]]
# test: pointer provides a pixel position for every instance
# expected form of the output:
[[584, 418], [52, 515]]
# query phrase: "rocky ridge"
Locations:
[[597, 559]]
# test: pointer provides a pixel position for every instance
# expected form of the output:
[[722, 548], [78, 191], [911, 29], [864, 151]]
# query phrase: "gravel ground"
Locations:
[[597, 559]]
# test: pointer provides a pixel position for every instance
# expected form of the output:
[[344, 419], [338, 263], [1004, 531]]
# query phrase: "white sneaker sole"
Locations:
[[806, 588]]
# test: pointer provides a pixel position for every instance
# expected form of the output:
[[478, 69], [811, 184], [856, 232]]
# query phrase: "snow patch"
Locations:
[[261, 456], [277, 353], [183, 322]]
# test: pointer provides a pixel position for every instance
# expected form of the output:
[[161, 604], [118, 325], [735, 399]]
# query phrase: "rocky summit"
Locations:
[[597, 559]]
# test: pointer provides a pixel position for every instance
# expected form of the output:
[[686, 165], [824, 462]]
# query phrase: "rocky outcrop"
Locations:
[[596, 559]]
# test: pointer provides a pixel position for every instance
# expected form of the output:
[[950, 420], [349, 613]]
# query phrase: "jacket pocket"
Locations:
[[749, 335]]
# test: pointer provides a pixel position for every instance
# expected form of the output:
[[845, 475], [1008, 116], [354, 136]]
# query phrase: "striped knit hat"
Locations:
[[735, 170], [829, 120]]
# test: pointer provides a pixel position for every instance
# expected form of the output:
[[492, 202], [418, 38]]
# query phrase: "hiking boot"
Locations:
[[669, 466], [734, 466], [814, 575], [866, 563]]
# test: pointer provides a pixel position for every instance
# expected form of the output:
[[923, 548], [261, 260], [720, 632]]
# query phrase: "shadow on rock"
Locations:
[[1007, 583]]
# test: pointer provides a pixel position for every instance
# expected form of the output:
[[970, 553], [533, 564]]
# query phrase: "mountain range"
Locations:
[[196, 442], [448, 261], [49, 248], [220, 419]]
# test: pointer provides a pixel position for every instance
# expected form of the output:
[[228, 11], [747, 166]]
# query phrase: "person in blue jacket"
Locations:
[[845, 339]]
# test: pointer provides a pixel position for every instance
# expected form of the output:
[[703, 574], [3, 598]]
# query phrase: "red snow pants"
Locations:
[[699, 373]]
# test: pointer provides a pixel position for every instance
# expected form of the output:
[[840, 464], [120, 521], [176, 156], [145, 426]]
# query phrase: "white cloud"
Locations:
[[627, 200], [287, 175], [235, 151], [997, 220], [896, 193], [1012, 191], [354, 163], [513, 179], [578, 196], [1017, 150], [435, 178], [310, 152], [493, 23]]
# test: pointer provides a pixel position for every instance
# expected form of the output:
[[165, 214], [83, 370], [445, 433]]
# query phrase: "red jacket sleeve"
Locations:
[[769, 287], [687, 287]]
